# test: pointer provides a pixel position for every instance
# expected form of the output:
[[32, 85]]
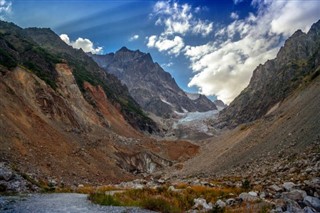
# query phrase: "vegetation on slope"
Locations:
[[39, 50]]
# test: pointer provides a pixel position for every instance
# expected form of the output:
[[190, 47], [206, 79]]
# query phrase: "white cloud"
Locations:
[[134, 37], [178, 20], [224, 67], [5, 8], [202, 27], [164, 43], [234, 15], [85, 44]]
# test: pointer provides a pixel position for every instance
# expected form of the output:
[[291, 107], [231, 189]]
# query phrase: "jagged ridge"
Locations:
[[276, 79], [153, 88]]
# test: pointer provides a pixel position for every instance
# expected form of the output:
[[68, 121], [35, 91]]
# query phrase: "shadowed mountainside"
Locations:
[[272, 82], [154, 89]]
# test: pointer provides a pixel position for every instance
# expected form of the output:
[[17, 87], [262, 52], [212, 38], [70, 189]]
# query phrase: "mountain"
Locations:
[[272, 82], [64, 119], [153, 88], [86, 70]]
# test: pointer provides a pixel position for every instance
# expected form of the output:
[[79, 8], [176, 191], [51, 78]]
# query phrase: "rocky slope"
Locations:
[[153, 88], [86, 70], [272, 82], [61, 124]]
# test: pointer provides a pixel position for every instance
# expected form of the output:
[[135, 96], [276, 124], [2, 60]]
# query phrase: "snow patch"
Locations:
[[164, 101]]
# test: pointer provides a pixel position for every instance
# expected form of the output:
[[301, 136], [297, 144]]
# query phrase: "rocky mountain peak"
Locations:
[[152, 87]]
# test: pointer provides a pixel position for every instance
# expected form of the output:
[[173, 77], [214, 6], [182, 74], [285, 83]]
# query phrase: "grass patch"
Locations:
[[162, 199]]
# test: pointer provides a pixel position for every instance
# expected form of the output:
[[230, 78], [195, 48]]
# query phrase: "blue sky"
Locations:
[[209, 46]]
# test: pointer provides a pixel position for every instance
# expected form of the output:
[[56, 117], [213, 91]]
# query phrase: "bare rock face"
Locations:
[[297, 61], [153, 88]]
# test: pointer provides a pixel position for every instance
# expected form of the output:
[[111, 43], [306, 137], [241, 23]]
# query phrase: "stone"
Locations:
[[231, 201], [262, 195], [275, 188], [312, 202], [288, 185], [293, 206], [200, 203], [296, 195], [254, 194], [247, 197], [220, 204], [277, 210], [5, 173], [172, 189], [161, 181], [308, 209]]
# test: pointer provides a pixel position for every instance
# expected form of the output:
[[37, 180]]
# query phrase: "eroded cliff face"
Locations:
[[276, 79], [56, 134]]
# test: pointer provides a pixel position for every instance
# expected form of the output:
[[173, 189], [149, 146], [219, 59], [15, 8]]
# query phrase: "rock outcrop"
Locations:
[[153, 88], [272, 82]]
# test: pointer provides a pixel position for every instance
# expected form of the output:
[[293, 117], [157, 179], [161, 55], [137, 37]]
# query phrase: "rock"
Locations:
[[308, 209], [247, 197], [231, 201], [275, 188], [277, 210], [296, 195], [254, 194], [161, 181], [220, 204], [5, 173], [262, 195], [11, 181], [312, 202], [200, 203], [171, 188], [288, 185], [293, 206]]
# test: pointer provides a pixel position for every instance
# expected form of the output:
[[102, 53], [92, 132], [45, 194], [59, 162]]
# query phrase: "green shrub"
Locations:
[[7, 60], [246, 185], [159, 204], [103, 199]]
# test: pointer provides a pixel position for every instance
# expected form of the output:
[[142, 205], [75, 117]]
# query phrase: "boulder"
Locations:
[[288, 186], [296, 195], [293, 206], [247, 197], [200, 203], [220, 204], [312, 202]]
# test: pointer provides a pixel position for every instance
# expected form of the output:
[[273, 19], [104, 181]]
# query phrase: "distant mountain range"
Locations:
[[153, 88]]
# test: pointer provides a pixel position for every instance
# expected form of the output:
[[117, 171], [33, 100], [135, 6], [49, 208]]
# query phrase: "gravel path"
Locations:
[[58, 203]]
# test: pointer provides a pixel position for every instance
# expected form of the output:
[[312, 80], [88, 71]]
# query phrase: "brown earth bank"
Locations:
[[56, 135]]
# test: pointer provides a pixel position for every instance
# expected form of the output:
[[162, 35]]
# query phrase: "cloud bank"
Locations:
[[85, 44], [223, 66]]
